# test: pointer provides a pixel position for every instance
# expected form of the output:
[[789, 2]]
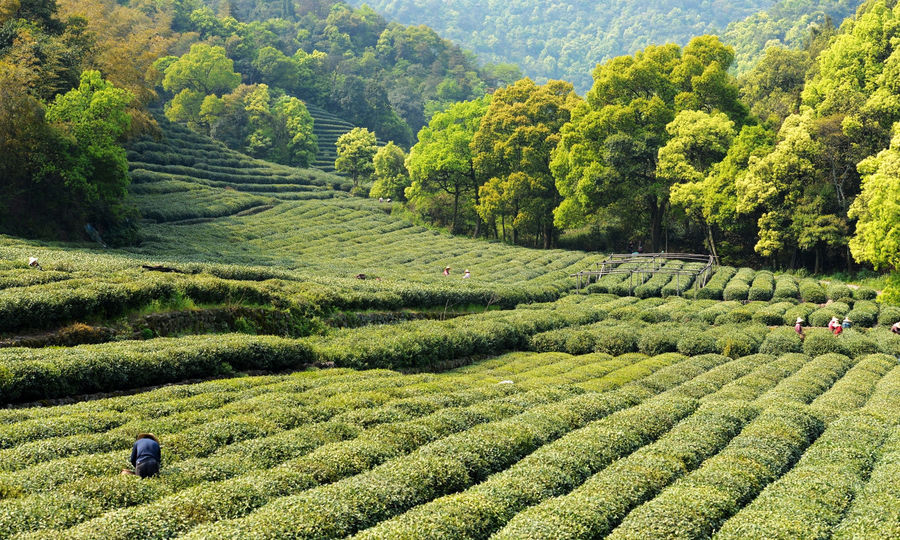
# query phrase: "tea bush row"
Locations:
[[812, 498], [555, 467], [235, 497], [597, 506], [437, 469]]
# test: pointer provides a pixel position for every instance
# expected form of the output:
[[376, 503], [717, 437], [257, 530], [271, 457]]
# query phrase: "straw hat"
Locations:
[[799, 319]]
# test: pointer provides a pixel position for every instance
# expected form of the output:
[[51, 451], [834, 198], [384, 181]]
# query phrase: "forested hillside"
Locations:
[[565, 40], [787, 23]]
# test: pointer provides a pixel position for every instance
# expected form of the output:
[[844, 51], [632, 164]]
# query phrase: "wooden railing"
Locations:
[[649, 264]]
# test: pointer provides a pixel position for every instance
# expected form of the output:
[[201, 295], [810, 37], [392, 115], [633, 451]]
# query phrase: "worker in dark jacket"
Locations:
[[145, 456]]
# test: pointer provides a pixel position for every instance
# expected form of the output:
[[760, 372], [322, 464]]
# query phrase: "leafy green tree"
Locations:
[[391, 176], [697, 142], [205, 70], [355, 150], [96, 116], [877, 209], [441, 163], [773, 86], [788, 188], [276, 69], [512, 149], [713, 200], [607, 158]]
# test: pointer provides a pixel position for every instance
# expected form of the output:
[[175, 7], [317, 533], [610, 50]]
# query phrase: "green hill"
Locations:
[[358, 391], [552, 40]]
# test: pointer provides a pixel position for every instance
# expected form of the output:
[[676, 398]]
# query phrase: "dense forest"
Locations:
[[787, 165], [78, 77], [790, 165], [564, 40]]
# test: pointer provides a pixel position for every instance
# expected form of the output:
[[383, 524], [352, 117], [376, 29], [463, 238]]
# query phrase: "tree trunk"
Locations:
[[656, 215], [455, 210], [712, 242]]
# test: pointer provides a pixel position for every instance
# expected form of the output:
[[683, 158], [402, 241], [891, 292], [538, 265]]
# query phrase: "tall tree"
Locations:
[[607, 157], [512, 150], [355, 151], [391, 176], [441, 163], [877, 209], [698, 141]]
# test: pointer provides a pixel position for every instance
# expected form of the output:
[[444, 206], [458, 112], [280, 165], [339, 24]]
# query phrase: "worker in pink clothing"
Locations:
[[799, 328]]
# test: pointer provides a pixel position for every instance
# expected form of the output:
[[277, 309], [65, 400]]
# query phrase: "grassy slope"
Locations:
[[442, 455]]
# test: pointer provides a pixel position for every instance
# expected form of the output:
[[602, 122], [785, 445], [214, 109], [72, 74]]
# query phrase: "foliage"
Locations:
[[441, 164], [565, 41], [390, 174], [512, 149], [607, 156], [355, 151]]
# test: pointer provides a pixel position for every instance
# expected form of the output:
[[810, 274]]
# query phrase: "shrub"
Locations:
[[864, 293], [864, 313], [823, 315], [772, 314], [616, 340], [820, 341], [800, 310], [786, 287], [837, 290], [739, 286], [888, 315], [694, 343], [658, 339], [716, 284], [780, 341], [762, 287], [812, 292]]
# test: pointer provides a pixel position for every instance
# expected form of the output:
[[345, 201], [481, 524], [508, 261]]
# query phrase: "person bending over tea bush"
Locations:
[[145, 456]]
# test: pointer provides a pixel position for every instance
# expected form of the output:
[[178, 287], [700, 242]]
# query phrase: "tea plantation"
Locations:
[[312, 374]]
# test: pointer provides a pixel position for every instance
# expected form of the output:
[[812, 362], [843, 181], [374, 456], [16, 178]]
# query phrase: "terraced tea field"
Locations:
[[415, 405]]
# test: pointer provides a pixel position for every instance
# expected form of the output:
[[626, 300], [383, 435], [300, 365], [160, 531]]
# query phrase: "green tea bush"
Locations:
[[659, 338], [813, 497], [713, 312], [837, 290], [617, 340], [762, 287], [738, 340], [823, 315], [772, 314], [786, 287], [875, 512], [864, 313], [800, 310], [716, 284], [741, 314], [887, 341], [694, 343], [864, 293], [697, 504], [653, 286], [780, 341], [812, 292], [888, 315], [739, 286], [820, 341]]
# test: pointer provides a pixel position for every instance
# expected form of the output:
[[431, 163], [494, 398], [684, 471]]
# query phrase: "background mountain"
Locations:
[[550, 39]]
